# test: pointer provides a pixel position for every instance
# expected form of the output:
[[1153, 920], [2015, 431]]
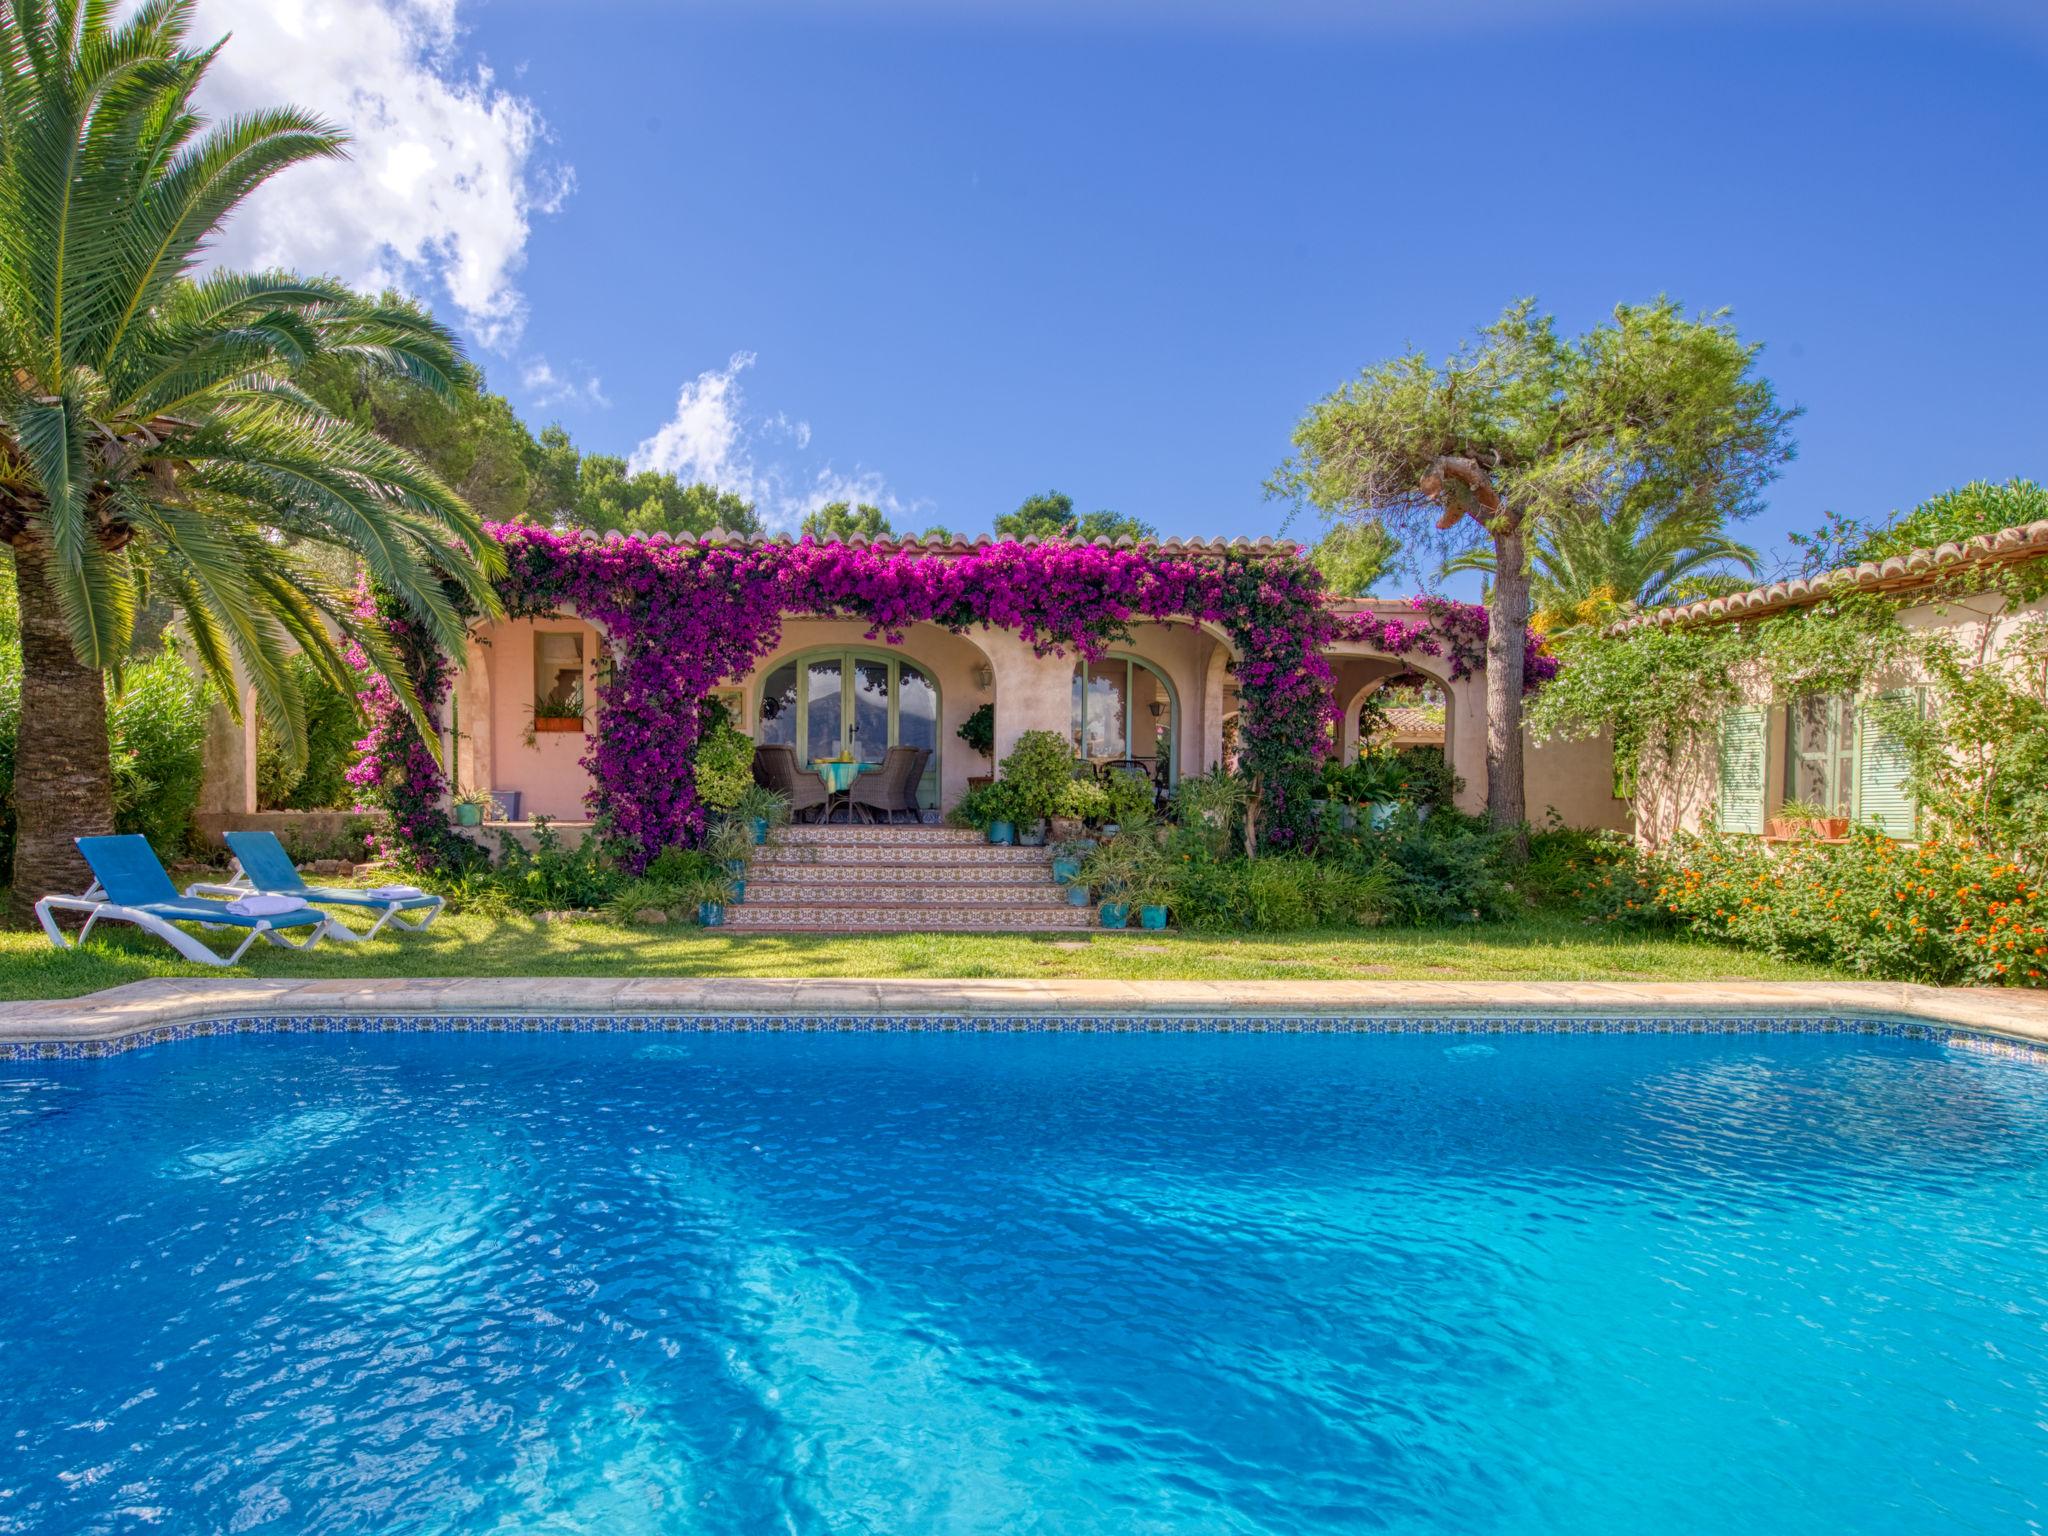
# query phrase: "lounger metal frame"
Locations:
[[239, 884], [95, 905]]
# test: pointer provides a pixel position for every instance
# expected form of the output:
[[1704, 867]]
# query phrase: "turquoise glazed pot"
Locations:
[[1151, 917], [737, 868], [1077, 895], [711, 914], [1116, 914], [760, 830], [1066, 871], [739, 892], [1002, 833]]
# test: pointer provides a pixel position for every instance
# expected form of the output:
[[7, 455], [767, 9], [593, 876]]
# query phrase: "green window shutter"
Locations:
[[1883, 799], [1741, 805]]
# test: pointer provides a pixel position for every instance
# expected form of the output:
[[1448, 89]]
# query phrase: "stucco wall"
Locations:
[[493, 709], [1679, 791]]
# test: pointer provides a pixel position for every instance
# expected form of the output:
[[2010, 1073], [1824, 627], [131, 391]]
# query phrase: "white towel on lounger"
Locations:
[[396, 892], [266, 906]]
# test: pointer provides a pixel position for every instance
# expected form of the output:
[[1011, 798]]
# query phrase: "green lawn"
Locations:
[[466, 945]]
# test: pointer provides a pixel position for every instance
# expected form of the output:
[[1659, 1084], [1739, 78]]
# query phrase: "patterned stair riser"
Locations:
[[822, 856], [885, 837], [927, 898], [908, 919], [904, 880], [832, 878]]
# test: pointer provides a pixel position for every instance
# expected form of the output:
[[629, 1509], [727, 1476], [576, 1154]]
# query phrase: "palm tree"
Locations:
[[1630, 557], [151, 437]]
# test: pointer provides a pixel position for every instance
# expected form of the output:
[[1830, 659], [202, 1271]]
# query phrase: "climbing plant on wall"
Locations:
[[683, 617]]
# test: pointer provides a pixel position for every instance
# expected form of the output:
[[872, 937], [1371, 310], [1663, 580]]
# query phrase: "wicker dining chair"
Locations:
[[775, 767], [892, 788]]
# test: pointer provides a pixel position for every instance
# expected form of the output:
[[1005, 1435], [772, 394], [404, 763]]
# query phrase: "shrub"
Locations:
[[157, 723], [986, 804], [1038, 770], [1212, 805], [549, 877], [1601, 877], [1446, 868], [1950, 911], [334, 724], [1132, 799], [1085, 800], [724, 766], [978, 730]]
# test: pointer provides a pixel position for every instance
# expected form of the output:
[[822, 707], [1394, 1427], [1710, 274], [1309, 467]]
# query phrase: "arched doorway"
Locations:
[[827, 702], [1125, 708]]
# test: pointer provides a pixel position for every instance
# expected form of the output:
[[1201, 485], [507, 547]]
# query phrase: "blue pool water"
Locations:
[[1072, 1284]]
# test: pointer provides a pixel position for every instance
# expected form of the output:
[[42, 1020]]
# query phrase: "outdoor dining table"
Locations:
[[838, 778]]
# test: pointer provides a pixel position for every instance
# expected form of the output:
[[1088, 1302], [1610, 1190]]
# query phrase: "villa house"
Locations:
[[1830, 752], [1166, 697], [523, 710]]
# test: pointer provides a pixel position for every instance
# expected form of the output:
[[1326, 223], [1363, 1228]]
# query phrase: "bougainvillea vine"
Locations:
[[684, 617]]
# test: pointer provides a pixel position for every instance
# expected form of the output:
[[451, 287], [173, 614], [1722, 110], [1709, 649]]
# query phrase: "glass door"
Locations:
[[843, 701]]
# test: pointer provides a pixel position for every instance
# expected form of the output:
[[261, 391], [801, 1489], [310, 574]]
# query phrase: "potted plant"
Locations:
[[1121, 868], [1802, 819], [1150, 886], [709, 893], [762, 809], [730, 845], [1067, 858], [563, 714], [978, 730], [1131, 801], [991, 809], [1038, 770], [1082, 801], [472, 806]]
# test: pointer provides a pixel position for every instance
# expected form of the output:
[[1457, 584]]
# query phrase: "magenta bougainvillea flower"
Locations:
[[682, 617]]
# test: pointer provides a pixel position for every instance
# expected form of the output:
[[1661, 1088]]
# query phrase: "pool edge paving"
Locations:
[[164, 1010]]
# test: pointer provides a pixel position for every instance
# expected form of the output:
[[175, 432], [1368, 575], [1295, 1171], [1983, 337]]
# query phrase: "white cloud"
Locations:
[[545, 387], [711, 438], [445, 171], [703, 440]]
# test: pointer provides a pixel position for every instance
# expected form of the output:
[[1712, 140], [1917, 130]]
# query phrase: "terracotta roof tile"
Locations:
[[1919, 567]]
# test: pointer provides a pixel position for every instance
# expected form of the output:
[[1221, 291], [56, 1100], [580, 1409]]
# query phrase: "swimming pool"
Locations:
[[923, 1282]]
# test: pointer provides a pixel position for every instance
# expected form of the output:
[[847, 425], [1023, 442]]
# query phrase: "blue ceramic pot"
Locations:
[[1002, 833], [760, 830], [1077, 895], [711, 914], [1066, 871], [739, 892], [1152, 917], [1116, 914]]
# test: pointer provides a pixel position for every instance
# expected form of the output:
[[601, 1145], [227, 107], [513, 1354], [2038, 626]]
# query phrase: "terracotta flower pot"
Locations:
[[546, 724]]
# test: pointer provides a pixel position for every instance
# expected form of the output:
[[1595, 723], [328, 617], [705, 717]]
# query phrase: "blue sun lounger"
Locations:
[[262, 865], [129, 885]]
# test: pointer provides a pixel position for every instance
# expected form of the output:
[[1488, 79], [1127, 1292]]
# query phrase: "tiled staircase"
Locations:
[[901, 880]]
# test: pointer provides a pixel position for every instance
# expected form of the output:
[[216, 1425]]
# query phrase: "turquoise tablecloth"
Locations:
[[838, 776]]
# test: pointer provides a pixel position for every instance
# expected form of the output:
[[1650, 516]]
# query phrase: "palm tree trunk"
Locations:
[[63, 780], [1507, 625]]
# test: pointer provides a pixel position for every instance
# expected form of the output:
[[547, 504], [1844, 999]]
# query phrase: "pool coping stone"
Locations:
[[144, 1006]]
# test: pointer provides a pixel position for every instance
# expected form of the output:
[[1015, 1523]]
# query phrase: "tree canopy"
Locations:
[[1654, 416], [1051, 515], [476, 442], [1354, 556], [155, 435], [840, 520]]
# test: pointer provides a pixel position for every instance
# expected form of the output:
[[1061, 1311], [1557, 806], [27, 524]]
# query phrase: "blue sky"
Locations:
[[963, 253]]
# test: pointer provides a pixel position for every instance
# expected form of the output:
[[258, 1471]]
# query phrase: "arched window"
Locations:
[[824, 703], [1125, 708]]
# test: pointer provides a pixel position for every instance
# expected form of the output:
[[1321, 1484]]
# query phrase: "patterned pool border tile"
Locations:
[[500, 1023]]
